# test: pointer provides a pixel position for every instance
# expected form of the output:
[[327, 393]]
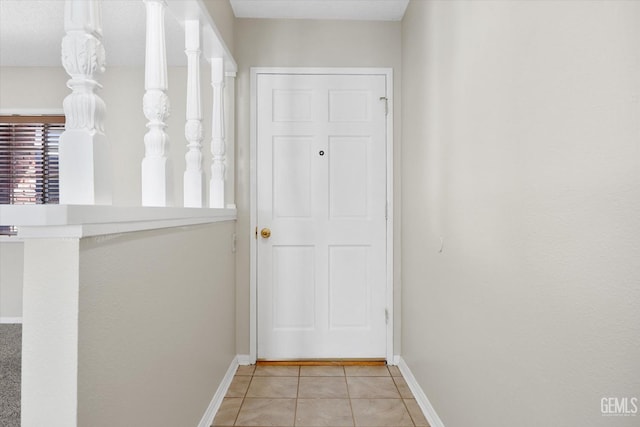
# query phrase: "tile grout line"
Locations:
[[295, 403], [244, 396], [353, 413], [350, 399], [404, 402], [402, 398]]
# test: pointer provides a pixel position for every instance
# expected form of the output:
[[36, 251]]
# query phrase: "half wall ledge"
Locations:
[[77, 221]]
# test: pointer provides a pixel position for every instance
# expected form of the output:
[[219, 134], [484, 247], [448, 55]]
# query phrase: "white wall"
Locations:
[[156, 325], [49, 369], [127, 329], [520, 151], [304, 43], [11, 280]]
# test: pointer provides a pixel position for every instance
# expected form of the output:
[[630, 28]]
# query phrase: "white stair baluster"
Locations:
[[229, 112], [216, 188], [155, 169], [85, 166], [193, 176]]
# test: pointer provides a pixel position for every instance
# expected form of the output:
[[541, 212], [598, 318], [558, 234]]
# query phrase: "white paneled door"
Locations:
[[321, 194]]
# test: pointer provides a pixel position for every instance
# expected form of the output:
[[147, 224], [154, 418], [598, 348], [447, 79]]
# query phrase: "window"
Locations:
[[29, 160]]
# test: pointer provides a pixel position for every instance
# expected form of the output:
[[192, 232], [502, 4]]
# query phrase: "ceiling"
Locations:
[[366, 10], [31, 30]]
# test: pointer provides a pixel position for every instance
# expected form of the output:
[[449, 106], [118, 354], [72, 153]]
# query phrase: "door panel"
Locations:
[[349, 177], [293, 305], [292, 105], [349, 296], [321, 172], [292, 177], [349, 106]]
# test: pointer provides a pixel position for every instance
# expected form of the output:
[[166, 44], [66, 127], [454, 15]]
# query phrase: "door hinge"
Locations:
[[386, 316], [386, 104]]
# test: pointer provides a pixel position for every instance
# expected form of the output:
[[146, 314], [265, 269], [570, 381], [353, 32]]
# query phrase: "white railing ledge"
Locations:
[[77, 221]]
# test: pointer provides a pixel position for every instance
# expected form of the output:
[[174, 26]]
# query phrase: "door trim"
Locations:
[[253, 205]]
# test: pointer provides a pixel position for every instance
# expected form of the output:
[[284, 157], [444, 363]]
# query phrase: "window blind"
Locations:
[[29, 160]]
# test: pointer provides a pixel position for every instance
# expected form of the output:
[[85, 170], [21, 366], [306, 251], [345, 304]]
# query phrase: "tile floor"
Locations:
[[316, 396]]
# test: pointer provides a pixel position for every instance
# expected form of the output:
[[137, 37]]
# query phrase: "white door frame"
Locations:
[[253, 205]]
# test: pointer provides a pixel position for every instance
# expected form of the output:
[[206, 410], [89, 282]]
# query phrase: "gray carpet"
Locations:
[[10, 363]]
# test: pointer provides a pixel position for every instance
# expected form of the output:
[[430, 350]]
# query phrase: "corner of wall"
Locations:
[[216, 401], [422, 399], [222, 14]]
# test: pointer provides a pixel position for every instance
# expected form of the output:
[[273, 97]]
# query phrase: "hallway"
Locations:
[[511, 208], [319, 396]]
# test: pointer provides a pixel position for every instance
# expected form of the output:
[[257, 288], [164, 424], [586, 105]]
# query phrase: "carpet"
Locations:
[[10, 365]]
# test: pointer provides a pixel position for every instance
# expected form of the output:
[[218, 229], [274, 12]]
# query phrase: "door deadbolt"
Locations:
[[321, 153], [265, 233]]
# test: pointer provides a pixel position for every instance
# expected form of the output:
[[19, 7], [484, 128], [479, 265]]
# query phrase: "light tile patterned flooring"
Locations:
[[317, 396]]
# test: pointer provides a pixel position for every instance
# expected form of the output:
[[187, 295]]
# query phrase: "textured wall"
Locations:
[[11, 279], [156, 325], [520, 151], [303, 43], [50, 333]]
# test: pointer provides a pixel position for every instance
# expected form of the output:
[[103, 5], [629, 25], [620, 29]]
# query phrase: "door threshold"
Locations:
[[323, 362]]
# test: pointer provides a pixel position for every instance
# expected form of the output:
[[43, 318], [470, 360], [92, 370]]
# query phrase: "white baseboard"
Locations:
[[245, 359], [10, 320], [209, 415], [396, 360], [418, 393]]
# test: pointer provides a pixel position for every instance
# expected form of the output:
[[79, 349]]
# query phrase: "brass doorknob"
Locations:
[[265, 233]]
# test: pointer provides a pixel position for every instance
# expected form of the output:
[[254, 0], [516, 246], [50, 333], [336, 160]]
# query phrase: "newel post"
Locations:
[[155, 170], [85, 166], [193, 176], [218, 168]]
